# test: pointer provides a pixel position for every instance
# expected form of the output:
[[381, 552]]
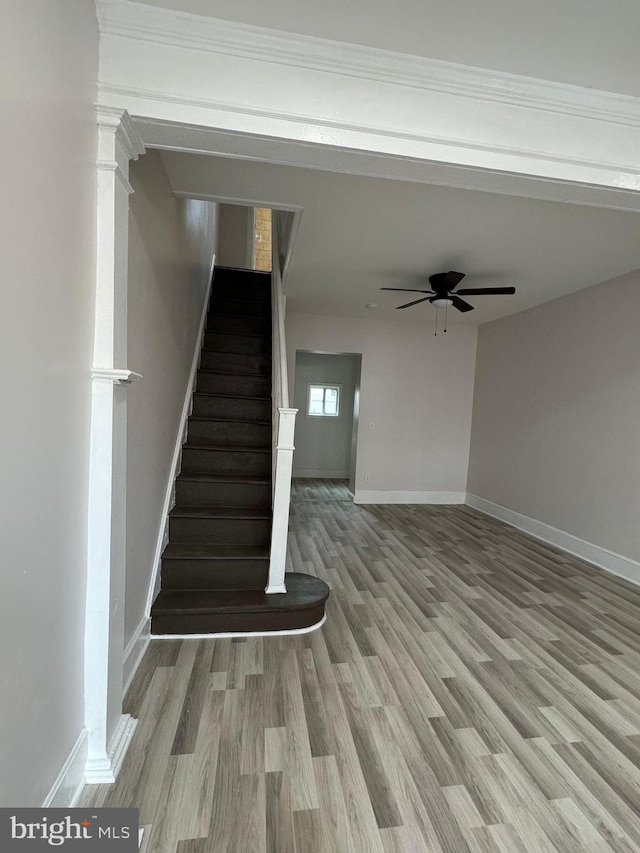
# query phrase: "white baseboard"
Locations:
[[69, 783], [286, 633], [134, 652], [611, 562], [362, 497], [105, 770], [321, 473], [163, 535]]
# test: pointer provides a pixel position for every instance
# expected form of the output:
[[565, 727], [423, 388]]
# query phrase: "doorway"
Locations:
[[327, 396]]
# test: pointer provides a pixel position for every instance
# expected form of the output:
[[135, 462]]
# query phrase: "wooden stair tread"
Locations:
[[266, 320], [233, 373], [256, 297], [234, 419], [249, 479], [215, 551], [233, 352], [213, 511], [227, 448], [232, 396], [243, 334], [303, 592]]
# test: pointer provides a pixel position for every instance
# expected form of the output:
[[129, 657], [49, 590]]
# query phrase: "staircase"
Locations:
[[215, 567]]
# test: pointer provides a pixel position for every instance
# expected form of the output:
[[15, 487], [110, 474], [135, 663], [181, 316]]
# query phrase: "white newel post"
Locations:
[[281, 499], [108, 730]]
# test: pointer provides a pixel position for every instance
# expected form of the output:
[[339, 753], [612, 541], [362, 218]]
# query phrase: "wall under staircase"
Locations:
[[215, 568]]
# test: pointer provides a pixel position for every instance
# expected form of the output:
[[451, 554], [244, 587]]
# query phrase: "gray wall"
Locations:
[[171, 242], [47, 269], [235, 236], [556, 415], [416, 391], [323, 445]]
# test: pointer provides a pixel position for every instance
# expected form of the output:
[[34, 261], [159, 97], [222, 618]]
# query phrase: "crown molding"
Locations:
[[631, 173], [180, 29], [119, 122]]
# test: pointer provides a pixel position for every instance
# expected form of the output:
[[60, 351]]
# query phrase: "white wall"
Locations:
[[416, 390], [48, 147], [323, 445], [171, 243], [236, 236], [556, 415]]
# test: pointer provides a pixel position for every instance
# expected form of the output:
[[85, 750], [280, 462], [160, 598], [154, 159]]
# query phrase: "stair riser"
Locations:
[[189, 493], [232, 408], [241, 386], [214, 574], [245, 307], [199, 461], [255, 531], [204, 623], [227, 362], [238, 325], [222, 432], [257, 295], [240, 282], [237, 343]]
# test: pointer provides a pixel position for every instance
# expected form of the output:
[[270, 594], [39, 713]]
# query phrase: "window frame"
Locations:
[[324, 385]]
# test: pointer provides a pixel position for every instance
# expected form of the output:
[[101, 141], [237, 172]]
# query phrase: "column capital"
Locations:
[[119, 123]]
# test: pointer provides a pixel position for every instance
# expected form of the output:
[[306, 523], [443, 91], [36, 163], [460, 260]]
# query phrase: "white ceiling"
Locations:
[[591, 43], [358, 234]]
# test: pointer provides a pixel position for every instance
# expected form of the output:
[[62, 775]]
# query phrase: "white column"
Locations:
[[281, 500], [108, 730]]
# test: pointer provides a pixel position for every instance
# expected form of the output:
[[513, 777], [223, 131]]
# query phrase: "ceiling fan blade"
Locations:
[[484, 291], [452, 278], [460, 304], [406, 289], [409, 304]]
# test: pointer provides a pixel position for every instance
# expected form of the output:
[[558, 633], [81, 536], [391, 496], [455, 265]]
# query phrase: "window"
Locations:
[[323, 401]]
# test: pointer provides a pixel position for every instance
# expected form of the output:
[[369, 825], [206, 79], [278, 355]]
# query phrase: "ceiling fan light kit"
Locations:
[[442, 295]]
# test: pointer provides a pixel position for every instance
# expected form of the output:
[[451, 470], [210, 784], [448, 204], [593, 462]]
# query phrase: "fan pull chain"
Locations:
[[446, 307], [435, 331]]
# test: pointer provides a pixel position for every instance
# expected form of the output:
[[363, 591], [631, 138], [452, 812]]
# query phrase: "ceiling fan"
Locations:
[[443, 295]]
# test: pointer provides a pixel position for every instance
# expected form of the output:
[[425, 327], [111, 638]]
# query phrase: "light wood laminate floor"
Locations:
[[472, 690]]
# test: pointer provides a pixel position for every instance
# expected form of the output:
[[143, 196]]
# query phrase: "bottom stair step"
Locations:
[[206, 611]]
